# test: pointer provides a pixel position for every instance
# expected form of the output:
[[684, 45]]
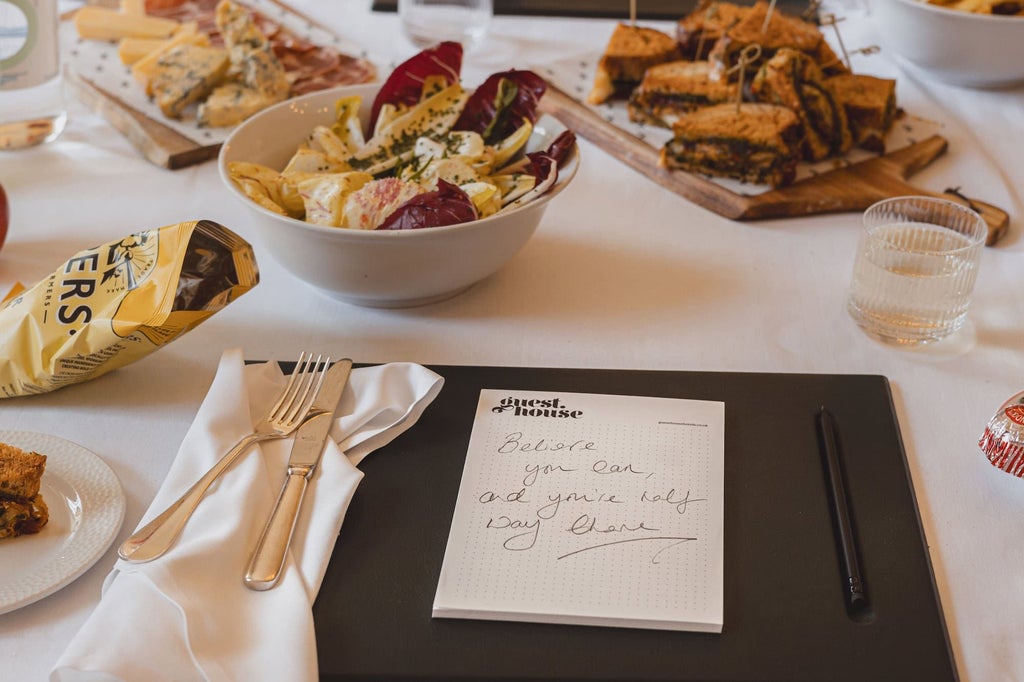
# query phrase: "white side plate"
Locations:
[[86, 506]]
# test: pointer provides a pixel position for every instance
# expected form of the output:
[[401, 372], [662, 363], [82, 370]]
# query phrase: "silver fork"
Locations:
[[290, 410]]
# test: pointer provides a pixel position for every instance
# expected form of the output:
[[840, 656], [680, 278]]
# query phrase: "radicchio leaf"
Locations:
[[447, 205], [541, 164], [405, 84], [561, 149], [501, 104], [544, 167]]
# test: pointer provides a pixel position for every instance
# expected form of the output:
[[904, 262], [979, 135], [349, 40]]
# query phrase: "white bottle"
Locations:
[[31, 94]]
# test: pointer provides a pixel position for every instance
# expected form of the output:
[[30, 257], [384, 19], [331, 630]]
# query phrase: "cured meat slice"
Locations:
[[309, 67]]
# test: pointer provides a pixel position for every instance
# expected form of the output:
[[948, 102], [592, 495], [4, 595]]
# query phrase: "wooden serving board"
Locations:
[[849, 188], [158, 142]]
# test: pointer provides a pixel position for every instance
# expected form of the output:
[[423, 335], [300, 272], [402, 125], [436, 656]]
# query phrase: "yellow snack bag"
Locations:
[[108, 306]]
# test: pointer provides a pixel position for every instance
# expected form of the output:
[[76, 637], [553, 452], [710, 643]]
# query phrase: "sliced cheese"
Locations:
[[137, 7], [187, 74], [131, 50], [252, 55], [262, 71], [102, 23], [142, 70], [229, 104], [237, 26]]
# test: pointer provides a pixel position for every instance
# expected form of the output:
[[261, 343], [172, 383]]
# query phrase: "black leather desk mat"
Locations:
[[784, 615], [606, 9]]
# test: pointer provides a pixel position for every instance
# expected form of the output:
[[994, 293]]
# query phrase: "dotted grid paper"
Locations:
[[98, 62], [589, 509], [575, 77]]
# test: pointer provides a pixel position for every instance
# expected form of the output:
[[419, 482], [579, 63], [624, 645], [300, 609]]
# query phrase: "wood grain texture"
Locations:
[[159, 143], [849, 188]]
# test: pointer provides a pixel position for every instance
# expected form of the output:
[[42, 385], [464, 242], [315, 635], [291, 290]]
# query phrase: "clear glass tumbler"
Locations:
[[31, 93], [428, 22], [915, 269]]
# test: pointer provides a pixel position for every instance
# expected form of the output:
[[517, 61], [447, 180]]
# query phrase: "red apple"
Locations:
[[3, 216]]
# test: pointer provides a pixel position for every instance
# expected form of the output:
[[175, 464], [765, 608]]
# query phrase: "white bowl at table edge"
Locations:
[[955, 46]]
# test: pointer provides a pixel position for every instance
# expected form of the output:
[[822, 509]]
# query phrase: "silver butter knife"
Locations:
[[268, 558]]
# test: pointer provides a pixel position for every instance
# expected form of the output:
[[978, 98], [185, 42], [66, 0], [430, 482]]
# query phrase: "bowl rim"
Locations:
[[566, 173], [940, 10]]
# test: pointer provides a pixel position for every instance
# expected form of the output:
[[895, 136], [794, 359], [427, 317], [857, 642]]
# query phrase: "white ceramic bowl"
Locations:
[[956, 47], [386, 269]]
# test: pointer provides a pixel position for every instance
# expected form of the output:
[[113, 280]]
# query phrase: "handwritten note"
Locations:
[[589, 509]]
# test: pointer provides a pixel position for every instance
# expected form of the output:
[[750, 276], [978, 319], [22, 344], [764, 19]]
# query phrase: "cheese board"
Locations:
[[851, 187], [95, 74]]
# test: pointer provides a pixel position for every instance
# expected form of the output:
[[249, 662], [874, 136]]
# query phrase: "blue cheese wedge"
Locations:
[[263, 72], [229, 104], [187, 74], [251, 53]]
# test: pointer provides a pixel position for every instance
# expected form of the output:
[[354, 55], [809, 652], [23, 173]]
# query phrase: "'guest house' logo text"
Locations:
[[537, 407]]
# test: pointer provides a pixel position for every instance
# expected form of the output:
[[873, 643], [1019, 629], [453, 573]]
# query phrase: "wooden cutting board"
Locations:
[[849, 188], [159, 143]]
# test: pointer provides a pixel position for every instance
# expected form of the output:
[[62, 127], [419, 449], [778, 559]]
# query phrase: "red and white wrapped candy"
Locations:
[[1003, 440]]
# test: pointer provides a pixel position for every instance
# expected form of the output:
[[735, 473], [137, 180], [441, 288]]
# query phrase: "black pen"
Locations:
[[856, 595]]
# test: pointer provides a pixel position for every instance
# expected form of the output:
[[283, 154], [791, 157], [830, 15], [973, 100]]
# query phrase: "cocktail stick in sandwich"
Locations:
[[630, 51], [698, 31], [22, 510], [751, 142], [792, 79], [870, 105], [675, 88], [773, 33]]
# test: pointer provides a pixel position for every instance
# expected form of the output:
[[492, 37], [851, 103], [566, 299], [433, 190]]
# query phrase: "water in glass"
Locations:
[[31, 93], [912, 281]]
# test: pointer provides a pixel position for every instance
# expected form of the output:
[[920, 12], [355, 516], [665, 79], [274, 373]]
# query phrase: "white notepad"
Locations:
[[589, 509]]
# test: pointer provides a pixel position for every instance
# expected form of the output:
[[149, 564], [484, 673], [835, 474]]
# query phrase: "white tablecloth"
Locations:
[[621, 274]]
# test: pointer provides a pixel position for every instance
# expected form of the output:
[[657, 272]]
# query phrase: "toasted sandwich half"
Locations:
[[792, 79], [772, 34], [675, 88], [698, 31], [630, 51], [870, 105], [751, 142]]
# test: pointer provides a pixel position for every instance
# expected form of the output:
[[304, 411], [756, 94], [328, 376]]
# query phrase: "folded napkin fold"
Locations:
[[187, 615]]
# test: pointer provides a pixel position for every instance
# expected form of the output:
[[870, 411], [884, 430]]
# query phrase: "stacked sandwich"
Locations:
[[22, 510], [748, 92]]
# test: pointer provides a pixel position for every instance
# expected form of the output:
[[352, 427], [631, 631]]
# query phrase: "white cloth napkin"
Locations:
[[187, 615]]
